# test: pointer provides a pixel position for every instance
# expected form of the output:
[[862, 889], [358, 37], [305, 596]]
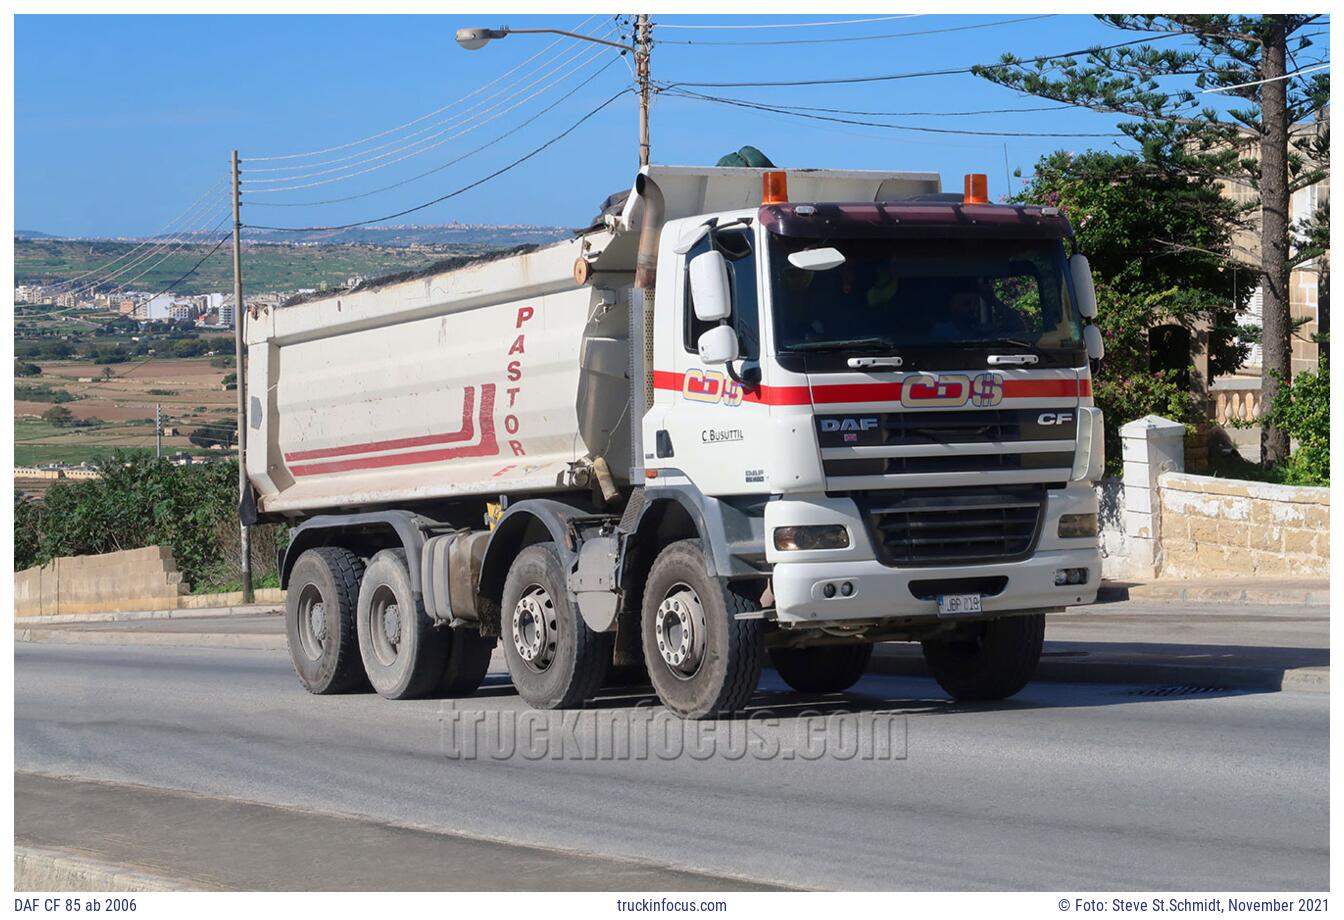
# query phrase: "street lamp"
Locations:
[[475, 39]]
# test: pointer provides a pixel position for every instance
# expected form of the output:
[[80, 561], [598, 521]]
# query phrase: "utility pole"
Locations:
[[643, 45], [158, 433], [240, 373]]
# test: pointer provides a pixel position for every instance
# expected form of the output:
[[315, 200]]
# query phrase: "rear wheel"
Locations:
[[702, 660], [988, 661], [555, 660], [822, 668], [320, 620], [403, 651]]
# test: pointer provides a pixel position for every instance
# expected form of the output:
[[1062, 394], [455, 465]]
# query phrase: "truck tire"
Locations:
[[988, 661], [822, 668], [555, 660], [702, 660], [320, 620], [404, 652], [468, 661]]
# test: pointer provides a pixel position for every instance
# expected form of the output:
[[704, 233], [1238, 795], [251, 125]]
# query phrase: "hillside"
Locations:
[[310, 261]]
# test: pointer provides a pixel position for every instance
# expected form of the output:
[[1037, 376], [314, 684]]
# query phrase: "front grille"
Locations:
[[951, 526], [949, 463], [956, 426]]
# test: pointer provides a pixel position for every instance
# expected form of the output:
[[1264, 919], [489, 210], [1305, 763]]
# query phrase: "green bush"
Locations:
[[1302, 408], [138, 502]]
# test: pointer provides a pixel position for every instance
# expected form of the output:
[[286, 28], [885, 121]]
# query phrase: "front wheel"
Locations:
[[987, 661], [702, 660], [555, 660]]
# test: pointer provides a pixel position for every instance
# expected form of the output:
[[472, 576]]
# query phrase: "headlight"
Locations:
[[1077, 525], [823, 536]]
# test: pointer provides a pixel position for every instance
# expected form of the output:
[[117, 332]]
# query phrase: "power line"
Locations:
[[855, 38], [785, 110], [510, 91], [180, 238], [413, 121], [166, 256], [499, 172], [1287, 76], [918, 73], [475, 125], [213, 189], [453, 162], [791, 25]]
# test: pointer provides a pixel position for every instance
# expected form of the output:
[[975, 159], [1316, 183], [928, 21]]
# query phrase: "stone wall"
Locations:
[[137, 579], [1111, 527], [1227, 527]]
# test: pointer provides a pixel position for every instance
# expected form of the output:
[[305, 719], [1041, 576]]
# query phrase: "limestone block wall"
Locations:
[[137, 579], [1226, 527]]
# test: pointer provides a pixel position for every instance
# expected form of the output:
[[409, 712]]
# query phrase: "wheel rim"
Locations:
[[312, 624], [535, 631], [679, 628], [386, 628]]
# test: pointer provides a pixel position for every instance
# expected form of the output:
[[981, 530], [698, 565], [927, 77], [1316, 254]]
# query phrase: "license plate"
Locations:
[[955, 605]]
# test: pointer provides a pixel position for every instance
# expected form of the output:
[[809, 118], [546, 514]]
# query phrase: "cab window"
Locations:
[[736, 246]]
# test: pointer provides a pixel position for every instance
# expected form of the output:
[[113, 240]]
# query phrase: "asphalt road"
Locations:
[[1066, 787]]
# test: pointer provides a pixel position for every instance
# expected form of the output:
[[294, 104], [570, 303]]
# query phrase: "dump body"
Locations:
[[461, 382]]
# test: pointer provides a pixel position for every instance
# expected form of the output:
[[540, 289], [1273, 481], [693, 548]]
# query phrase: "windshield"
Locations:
[[912, 294]]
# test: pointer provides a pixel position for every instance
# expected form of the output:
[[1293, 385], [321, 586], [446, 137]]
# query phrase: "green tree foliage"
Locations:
[[26, 369], [1230, 118], [1302, 408], [138, 502], [59, 416], [1160, 247], [223, 432]]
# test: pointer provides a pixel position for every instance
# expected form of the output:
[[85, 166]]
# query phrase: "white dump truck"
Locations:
[[745, 414]]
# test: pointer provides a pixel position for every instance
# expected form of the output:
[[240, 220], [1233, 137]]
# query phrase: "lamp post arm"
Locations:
[[586, 38]]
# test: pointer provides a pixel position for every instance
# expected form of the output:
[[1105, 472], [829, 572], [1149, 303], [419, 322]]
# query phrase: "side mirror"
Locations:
[[718, 345], [1083, 288], [709, 287], [817, 260], [1096, 349]]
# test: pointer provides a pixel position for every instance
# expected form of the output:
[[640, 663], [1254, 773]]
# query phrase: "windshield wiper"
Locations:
[[829, 344]]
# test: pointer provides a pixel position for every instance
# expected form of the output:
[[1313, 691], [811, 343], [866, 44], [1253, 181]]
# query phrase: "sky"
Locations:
[[124, 124]]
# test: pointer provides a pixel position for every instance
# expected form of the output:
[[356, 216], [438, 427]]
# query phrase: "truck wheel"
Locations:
[[702, 660], [403, 651], [555, 660], [320, 620], [822, 668], [468, 661], [988, 661]]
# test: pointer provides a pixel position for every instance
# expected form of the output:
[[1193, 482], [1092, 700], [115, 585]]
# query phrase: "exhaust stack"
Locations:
[[646, 263]]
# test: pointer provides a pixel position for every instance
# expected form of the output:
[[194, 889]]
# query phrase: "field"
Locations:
[[189, 392], [265, 268]]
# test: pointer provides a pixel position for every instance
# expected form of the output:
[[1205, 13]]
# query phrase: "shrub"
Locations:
[[1302, 408], [138, 502]]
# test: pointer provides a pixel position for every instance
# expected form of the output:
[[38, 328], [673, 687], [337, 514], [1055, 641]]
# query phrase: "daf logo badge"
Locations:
[[1054, 418], [848, 424]]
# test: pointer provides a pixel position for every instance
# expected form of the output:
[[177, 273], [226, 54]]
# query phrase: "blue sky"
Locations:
[[122, 122]]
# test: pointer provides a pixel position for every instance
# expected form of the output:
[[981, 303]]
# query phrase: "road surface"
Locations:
[[1069, 787]]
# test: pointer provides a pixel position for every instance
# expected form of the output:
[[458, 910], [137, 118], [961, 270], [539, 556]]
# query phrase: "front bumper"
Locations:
[[881, 592]]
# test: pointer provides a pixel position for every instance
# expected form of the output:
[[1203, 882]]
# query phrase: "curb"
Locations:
[[1225, 595], [263, 642], [1080, 668], [40, 869], [254, 610]]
